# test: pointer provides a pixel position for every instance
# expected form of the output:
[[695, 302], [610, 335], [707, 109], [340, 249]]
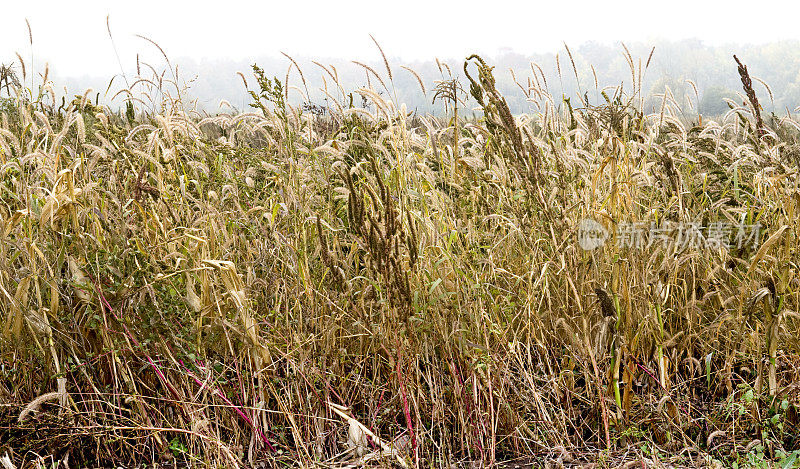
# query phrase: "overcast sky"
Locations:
[[72, 36]]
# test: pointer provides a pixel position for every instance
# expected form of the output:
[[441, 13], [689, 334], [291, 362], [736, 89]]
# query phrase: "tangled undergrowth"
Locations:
[[357, 284]]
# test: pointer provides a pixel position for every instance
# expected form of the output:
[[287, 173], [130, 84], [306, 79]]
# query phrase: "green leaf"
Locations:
[[789, 463]]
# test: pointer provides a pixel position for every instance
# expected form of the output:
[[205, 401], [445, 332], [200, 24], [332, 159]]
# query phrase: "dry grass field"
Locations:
[[355, 284]]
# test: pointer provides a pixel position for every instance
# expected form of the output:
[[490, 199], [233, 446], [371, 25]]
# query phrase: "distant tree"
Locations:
[[679, 90], [713, 101]]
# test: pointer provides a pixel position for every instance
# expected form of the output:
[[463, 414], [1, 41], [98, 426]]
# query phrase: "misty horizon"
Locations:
[[87, 46], [682, 65]]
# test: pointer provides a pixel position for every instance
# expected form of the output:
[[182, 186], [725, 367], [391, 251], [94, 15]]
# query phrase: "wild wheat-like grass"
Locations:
[[280, 287]]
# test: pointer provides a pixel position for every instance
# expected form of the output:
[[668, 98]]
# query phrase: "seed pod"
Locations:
[[606, 303]]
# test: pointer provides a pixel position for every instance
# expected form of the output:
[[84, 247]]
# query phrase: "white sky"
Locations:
[[72, 36]]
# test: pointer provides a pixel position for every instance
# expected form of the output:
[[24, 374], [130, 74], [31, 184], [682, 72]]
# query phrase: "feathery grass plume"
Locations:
[[244, 80], [373, 72], [575, 71], [46, 75], [30, 42], [30, 33], [629, 59], [22, 66], [416, 75], [766, 87], [649, 57], [385, 62], [696, 93], [299, 70], [36, 404]]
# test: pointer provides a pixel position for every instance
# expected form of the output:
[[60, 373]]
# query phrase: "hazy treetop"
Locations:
[[694, 41]]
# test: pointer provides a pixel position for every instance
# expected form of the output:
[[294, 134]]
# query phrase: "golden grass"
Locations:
[[368, 285]]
